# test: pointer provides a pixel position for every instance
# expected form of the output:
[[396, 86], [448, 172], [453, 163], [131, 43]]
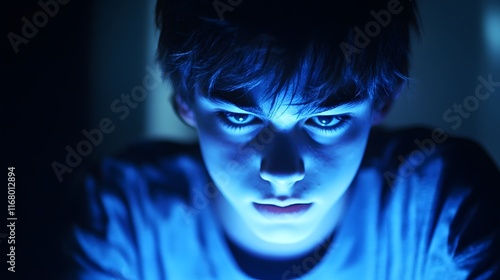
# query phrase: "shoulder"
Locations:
[[436, 165], [449, 187], [126, 203], [149, 178], [410, 150], [161, 166]]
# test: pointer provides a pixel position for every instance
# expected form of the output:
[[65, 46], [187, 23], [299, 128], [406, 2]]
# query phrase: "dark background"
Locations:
[[45, 96], [65, 78]]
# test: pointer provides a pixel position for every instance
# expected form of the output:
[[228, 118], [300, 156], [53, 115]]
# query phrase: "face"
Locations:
[[281, 174]]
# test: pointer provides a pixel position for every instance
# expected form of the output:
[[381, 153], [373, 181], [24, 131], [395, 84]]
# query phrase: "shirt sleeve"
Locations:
[[474, 239], [442, 212], [100, 243]]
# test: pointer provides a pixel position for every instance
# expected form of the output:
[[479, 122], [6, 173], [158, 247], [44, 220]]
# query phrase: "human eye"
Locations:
[[237, 121], [328, 123]]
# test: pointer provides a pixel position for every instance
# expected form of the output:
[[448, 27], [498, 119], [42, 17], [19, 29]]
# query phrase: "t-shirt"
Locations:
[[423, 205]]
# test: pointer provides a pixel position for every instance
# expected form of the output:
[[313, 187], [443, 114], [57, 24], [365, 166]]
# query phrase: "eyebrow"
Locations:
[[237, 98], [246, 102], [334, 101]]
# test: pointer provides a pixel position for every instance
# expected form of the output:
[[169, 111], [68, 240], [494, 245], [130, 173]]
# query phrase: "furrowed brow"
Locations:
[[236, 98], [335, 101], [246, 102]]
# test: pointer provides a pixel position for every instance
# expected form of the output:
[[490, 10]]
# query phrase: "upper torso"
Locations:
[[150, 217]]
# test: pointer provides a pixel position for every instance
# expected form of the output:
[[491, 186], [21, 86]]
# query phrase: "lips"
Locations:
[[279, 212]]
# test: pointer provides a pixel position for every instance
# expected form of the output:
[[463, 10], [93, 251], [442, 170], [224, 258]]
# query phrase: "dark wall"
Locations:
[[44, 106]]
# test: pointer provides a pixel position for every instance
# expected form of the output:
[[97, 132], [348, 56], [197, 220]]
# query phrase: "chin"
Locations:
[[284, 234]]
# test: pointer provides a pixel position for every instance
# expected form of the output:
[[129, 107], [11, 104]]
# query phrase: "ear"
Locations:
[[382, 108], [184, 111], [380, 111]]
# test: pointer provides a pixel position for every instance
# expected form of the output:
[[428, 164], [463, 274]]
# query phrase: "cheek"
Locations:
[[355, 141], [232, 152], [228, 162], [221, 152], [349, 145], [352, 144], [336, 163]]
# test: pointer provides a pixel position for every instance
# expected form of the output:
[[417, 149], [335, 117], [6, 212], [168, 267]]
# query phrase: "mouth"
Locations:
[[275, 212]]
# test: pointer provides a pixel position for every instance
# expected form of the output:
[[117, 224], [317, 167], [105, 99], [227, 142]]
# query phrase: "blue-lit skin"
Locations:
[[310, 159]]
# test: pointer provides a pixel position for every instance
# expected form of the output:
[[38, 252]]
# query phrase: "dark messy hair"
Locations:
[[313, 50]]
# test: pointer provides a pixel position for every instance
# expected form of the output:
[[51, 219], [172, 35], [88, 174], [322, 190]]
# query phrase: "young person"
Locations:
[[291, 177]]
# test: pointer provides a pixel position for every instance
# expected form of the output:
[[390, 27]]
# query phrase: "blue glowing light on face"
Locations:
[[288, 170]]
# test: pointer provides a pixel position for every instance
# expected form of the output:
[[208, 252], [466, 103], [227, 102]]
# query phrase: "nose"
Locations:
[[282, 163]]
